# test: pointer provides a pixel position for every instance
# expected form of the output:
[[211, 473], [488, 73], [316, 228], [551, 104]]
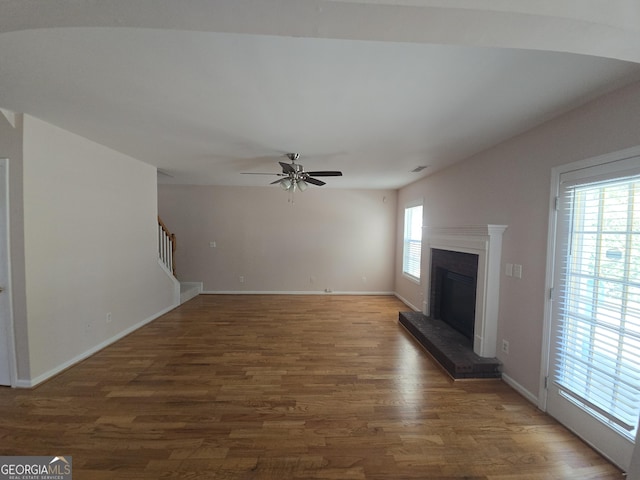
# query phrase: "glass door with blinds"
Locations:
[[594, 379]]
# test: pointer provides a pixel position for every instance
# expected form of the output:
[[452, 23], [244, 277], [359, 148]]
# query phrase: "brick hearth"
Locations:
[[448, 347]]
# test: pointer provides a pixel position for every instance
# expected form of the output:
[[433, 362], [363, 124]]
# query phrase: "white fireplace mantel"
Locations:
[[486, 242]]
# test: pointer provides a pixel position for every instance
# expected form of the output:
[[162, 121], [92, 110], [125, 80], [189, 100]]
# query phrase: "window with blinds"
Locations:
[[598, 357], [412, 242]]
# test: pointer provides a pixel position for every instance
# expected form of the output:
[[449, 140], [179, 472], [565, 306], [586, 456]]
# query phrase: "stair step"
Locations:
[[189, 290]]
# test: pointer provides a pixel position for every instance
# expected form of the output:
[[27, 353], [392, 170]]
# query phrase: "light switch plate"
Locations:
[[517, 271], [508, 269]]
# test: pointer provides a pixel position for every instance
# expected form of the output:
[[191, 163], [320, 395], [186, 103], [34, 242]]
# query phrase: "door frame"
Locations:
[[547, 333], [6, 307]]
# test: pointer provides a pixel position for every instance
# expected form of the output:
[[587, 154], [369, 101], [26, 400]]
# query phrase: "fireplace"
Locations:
[[476, 252], [453, 289]]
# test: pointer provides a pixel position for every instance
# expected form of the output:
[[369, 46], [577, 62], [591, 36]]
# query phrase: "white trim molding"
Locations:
[[407, 302], [520, 389], [189, 290], [486, 242], [292, 292]]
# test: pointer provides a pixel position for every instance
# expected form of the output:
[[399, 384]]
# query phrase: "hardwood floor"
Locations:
[[285, 387]]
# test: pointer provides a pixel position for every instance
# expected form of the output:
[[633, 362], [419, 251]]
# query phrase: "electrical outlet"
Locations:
[[505, 346], [212, 244], [241, 278], [108, 318]]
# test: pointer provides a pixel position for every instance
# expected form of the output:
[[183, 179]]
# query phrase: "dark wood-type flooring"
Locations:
[[285, 387]]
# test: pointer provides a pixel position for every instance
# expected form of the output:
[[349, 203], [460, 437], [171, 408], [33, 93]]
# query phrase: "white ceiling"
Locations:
[[206, 103]]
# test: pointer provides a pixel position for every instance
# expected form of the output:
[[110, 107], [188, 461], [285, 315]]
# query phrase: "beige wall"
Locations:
[[329, 238], [90, 246], [510, 184]]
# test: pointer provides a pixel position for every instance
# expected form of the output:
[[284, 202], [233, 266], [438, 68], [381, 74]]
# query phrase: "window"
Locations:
[[598, 362], [412, 242]]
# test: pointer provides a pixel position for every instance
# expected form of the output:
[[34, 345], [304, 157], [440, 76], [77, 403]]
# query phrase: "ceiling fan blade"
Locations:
[[287, 167], [325, 174], [259, 173], [277, 181], [314, 181]]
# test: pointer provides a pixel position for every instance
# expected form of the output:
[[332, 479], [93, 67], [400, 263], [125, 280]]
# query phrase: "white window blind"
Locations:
[[412, 241], [598, 356]]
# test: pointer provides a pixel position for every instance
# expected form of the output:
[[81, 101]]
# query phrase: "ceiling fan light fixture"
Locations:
[[286, 184], [302, 185]]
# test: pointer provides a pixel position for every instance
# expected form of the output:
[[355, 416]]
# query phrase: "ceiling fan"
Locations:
[[294, 176]]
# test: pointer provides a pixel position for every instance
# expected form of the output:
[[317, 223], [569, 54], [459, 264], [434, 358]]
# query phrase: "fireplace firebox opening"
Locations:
[[457, 301], [453, 289]]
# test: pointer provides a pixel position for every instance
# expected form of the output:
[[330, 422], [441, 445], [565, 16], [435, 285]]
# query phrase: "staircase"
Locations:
[[167, 245]]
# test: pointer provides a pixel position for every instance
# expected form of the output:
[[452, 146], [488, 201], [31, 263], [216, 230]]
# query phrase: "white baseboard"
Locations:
[[189, 290], [304, 292], [244, 292], [23, 383], [520, 389], [407, 303]]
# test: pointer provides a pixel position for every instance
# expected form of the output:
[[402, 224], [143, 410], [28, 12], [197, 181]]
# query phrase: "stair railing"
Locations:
[[166, 246]]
